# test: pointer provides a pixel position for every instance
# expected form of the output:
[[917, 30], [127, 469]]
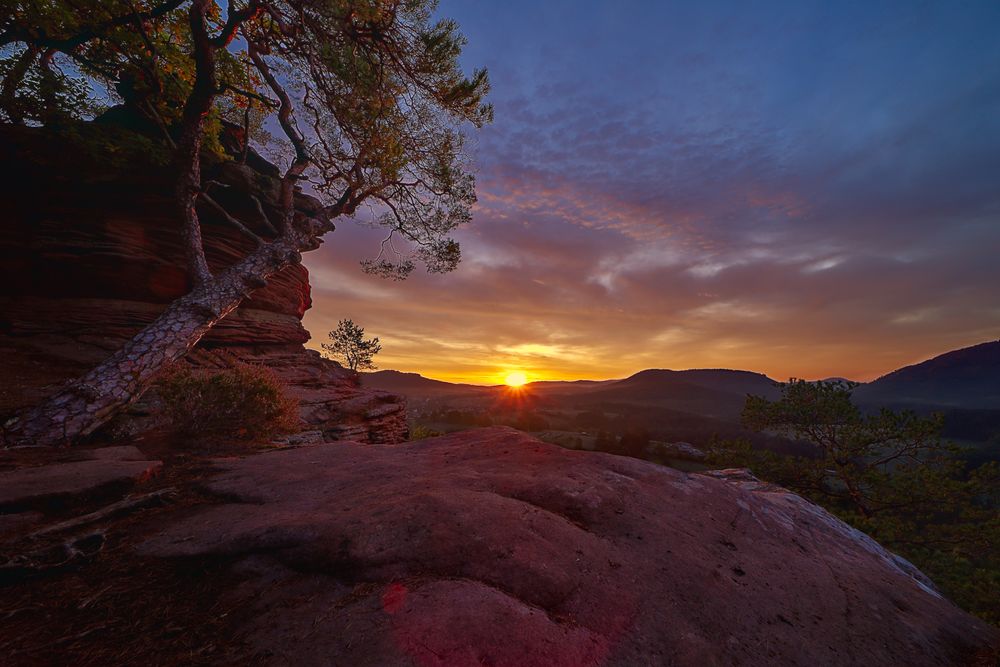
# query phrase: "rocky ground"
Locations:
[[479, 548]]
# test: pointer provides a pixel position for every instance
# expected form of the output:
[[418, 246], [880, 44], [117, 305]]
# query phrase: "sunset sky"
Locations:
[[799, 188]]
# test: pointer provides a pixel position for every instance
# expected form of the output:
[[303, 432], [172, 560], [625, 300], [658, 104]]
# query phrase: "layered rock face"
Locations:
[[90, 252], [491, 548]]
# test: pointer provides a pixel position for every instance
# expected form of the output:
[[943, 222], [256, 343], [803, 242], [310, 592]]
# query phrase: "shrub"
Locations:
[[245, 402], [420, 432]]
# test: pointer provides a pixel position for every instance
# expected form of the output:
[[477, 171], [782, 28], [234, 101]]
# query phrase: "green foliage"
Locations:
[[128, 51], [245, 402], [421, 432], [632, 443], [468, 417], [348, 342], [890, 475], [528, 420], [47, 95], [605, 442]]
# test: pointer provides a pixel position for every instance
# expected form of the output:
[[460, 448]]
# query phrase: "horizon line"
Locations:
[[618, 379]]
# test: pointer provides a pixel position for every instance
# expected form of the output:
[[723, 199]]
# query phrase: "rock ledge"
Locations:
[[490, 547]]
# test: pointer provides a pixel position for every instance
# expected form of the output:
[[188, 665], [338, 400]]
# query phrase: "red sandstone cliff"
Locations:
[[90, 253]]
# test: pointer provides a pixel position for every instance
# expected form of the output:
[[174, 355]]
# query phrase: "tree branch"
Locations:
[[235, 19], [302, 158], [230, 219], [40, 40], [249, 94]]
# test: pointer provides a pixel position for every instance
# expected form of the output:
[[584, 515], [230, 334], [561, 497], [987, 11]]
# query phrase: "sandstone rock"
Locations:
[[11, 523], [24, 487], [744, 479], [490, 547], [91, 252], [115, 453], [678, 450], [330, 398]]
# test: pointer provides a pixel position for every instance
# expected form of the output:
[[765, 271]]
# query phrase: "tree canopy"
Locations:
[[368, 95]]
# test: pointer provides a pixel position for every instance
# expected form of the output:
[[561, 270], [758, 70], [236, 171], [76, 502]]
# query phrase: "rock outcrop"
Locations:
[[90, 252], [62, 482], [491, 548], [677, 450]]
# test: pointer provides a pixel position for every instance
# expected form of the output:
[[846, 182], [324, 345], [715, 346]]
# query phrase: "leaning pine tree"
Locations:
[[368, 94]]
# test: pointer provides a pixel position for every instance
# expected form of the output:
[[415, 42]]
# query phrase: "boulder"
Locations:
[[489, 547]]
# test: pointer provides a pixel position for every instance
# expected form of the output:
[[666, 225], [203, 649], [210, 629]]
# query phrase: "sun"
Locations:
[[515, 379]]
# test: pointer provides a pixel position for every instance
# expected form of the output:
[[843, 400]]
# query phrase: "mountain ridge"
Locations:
[[968, 377]]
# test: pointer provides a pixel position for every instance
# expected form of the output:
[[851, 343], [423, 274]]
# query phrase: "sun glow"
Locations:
[[515, 379]]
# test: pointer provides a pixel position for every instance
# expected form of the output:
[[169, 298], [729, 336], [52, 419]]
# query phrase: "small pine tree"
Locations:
[[348, 342]]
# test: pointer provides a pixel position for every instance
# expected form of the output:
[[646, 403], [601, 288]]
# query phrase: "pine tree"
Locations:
[[348, 342]]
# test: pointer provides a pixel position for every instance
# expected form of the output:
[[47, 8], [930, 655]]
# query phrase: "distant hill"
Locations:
[[414, 385], [716, 379], [967, 378], [714, 393], [567, 384]]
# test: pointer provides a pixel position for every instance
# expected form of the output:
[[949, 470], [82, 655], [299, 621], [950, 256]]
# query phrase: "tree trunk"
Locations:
[[187, 157], [87, 403]]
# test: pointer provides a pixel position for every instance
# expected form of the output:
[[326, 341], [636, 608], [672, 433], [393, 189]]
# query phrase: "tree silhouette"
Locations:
[[348, 342]]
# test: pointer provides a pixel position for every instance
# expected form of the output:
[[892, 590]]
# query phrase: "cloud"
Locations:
[[794, 190]]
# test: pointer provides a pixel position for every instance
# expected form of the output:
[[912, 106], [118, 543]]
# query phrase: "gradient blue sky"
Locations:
[[798, 188]]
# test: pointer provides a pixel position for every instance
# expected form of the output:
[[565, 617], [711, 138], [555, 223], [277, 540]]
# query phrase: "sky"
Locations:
[[803, 189]]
